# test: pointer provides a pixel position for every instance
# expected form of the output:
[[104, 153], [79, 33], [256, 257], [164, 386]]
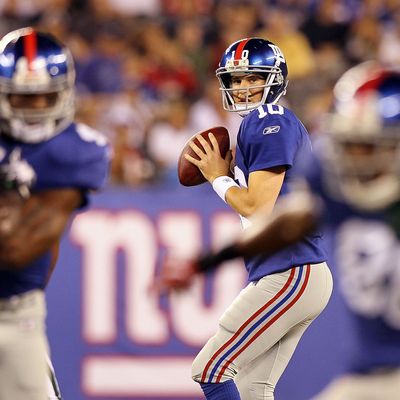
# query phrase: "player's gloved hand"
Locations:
[[17, 175], [176, 274], [179, 274]]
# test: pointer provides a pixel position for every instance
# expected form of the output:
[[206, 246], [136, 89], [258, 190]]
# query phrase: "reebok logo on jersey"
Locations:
[[271, 129]]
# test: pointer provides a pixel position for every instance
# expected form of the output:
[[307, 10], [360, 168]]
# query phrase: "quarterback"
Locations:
[[259, 332]]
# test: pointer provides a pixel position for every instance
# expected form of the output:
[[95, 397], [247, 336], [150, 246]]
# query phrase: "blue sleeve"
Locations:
[[78, 158], [310, 168], [309, 175], [271, 140]]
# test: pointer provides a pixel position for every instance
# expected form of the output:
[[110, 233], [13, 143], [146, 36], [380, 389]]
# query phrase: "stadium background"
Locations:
[[145, 78]]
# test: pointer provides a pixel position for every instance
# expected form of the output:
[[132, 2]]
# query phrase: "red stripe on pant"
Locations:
[[267, 325], [246, 323]]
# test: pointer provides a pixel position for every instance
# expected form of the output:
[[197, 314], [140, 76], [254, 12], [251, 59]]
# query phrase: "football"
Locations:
[[188, 173]]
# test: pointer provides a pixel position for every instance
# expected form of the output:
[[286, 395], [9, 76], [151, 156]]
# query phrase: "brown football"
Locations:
[[188, 173]]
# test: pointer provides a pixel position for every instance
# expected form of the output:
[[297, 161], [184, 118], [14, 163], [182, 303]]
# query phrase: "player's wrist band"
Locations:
[[222, 184]]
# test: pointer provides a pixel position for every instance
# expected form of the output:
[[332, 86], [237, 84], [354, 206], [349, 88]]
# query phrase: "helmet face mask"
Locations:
[[363, 150], [257, 57], [35, 65]]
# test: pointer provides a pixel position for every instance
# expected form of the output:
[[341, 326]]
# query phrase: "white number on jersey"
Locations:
[[271, 108], [90, 135], [368, 259]]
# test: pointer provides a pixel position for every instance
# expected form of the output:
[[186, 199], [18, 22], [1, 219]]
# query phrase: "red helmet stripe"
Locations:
[[239, 49], [30, 48], [374, 83]]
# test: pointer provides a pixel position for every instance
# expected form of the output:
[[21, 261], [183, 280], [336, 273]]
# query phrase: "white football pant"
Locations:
[[259, 332]]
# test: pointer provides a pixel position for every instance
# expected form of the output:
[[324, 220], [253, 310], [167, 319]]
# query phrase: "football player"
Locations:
[[354, 177], [357, 175], [259, 332], [48, 164]]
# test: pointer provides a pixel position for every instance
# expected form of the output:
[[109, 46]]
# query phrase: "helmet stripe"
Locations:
[[239, 49], [373, 84], [30, 48]]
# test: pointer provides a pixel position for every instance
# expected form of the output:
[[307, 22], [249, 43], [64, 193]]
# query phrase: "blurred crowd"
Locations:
[[146, 68]]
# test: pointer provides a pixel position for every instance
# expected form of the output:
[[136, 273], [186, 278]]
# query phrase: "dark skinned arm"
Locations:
[[36, 226], [294, 217]]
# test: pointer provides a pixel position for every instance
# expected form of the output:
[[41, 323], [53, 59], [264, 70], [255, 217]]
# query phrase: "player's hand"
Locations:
[[17, 174], [210, 162], [175, 275]]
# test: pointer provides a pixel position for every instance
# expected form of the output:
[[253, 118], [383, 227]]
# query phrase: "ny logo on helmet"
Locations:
[[280, 58]]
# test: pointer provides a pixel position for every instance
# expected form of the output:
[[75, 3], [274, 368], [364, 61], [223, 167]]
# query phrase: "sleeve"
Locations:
[[309, 167], [271, 141], [80, 159]]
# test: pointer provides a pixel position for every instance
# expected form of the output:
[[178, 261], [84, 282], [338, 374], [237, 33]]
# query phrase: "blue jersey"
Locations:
[[273, 136], [78, 158], [366, 265]]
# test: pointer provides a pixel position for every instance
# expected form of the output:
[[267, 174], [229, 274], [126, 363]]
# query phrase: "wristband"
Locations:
[[222, 184]]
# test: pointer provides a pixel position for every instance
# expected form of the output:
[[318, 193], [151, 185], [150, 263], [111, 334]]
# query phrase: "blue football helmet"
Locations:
[[257, 56], [363, 147], [35, 63]]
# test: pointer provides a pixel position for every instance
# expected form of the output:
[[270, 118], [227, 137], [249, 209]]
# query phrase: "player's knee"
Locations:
[[206, 368], [202, 371], [197, 369]]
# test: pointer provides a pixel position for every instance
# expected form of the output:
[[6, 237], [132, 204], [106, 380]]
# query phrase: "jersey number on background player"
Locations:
[[367, 253]]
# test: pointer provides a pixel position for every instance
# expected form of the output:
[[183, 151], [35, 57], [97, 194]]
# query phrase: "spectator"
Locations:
[[167, 137], [207, 111]]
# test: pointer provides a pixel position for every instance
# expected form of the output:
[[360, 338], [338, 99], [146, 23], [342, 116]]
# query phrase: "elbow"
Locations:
[[245, 207], [247, 212], [250, 209]]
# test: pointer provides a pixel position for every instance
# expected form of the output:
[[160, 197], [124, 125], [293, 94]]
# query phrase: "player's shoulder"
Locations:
[[272, 121], [273, 115], [78, 144], [78, 156], [272, 111], [82, 135]]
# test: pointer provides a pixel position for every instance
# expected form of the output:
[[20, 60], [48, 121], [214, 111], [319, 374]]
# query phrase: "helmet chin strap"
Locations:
[[282, 93]]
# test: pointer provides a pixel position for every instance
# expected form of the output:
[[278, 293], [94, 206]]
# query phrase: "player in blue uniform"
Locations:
[[259, 332], [356, 173], [48, 164]]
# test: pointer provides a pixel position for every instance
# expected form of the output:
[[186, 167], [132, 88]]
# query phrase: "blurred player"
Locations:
[[357, 174], [47, 166], [259, 332]]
